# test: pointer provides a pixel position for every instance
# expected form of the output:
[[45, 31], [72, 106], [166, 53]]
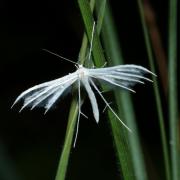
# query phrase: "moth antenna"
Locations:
[[69, 60], [91, 43]]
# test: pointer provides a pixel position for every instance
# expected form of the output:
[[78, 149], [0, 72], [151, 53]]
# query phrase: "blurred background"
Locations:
[[31, 142]]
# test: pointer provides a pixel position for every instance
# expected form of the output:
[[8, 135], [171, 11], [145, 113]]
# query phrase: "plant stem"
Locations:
[[62, 168], [156, 92], [63, 163], [173, 104], [134, 167]]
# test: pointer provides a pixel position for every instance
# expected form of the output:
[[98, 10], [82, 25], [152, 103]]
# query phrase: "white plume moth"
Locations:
[[46, 94]]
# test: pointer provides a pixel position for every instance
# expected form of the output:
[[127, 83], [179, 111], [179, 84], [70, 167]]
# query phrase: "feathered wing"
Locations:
[[47, 93], [123, 76], [92, 98]]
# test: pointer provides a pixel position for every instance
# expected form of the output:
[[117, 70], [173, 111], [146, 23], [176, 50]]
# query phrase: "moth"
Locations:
[[46, 94]]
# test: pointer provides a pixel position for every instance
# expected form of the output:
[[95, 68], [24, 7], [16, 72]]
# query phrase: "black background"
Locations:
[[31, 142]]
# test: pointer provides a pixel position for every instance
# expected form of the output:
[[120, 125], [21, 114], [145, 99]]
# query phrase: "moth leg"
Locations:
[[106, 107], [107, 104], [79, 113], [104, 65]]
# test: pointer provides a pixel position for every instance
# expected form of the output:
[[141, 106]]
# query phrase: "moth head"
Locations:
[[82, 71]]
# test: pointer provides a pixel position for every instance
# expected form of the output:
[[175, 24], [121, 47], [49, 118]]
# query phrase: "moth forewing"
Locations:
[[36, 98], [57, 94], [35, 95], [92, 98], [111, 81], [124, 76]]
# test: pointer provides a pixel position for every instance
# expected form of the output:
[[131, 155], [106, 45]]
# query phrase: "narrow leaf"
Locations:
[[136, 170], [173, 104], [156, 92], [63, 163]]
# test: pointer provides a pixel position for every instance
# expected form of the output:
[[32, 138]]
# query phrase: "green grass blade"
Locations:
[[124, 102], [117, 128], [62, 168], [100, 8], [156, 92], [122, 148], [84, 45], [88, 20], [63, 163], [173, 104]]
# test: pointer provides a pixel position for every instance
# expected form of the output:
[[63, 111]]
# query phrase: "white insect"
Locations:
[[46, 94]]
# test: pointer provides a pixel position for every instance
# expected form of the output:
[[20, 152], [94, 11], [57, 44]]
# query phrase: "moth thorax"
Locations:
[[82, 72]]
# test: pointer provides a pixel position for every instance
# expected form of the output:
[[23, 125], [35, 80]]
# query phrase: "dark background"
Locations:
[[31, 142]]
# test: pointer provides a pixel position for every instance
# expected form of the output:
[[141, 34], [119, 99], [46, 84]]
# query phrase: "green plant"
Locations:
[[128, 147]]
